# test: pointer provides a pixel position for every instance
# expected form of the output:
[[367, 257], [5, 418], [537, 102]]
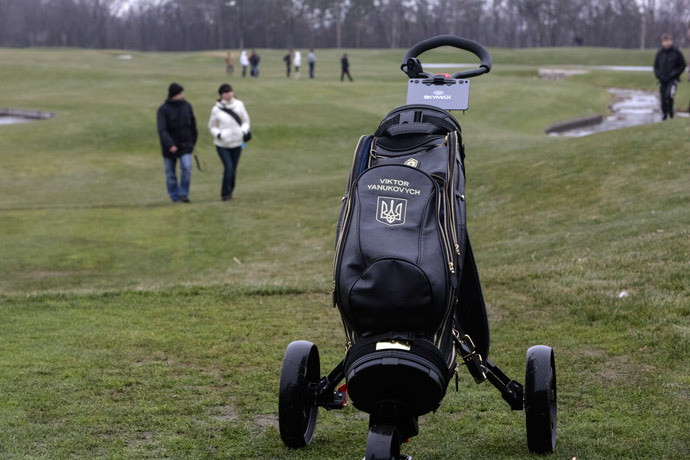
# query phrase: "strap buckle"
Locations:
[[468, 354]]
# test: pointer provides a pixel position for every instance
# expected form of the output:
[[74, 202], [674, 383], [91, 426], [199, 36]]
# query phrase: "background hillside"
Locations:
[[137, 328]]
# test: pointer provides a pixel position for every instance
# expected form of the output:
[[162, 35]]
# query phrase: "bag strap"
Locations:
[[231, 113], [198, 163], [470, 311]]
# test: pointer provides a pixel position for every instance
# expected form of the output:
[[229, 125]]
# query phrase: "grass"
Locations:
[[136, 328]]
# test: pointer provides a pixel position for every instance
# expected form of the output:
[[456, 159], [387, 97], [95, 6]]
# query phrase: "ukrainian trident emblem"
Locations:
[[391, 211]]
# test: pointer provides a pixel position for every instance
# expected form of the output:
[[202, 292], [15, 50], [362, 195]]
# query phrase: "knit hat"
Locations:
[[224, 88], [174, 89]]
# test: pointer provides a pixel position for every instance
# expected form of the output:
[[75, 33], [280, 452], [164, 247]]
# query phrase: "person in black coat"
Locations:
[[254, 63], [177, 133], [288, 61], [345, 67], [669, 65]]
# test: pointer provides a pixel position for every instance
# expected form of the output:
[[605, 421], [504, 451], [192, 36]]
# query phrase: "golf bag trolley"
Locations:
[[406, 283]]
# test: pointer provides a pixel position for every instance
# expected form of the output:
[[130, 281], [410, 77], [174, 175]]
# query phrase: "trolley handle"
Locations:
[[413, 67]]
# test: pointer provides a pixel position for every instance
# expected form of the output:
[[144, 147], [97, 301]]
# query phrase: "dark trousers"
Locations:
[[668, 93], [311, 70], [230, 159], [345, 72]]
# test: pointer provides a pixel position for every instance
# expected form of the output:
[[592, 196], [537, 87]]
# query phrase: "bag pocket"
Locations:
[[391, 295], [432, 161]]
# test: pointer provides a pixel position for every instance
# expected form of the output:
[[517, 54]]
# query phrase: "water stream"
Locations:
[[14, 116], [628, 108]]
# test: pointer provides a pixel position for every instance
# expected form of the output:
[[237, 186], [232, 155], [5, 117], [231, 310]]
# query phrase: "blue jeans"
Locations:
[[230, 159], [176, 191]]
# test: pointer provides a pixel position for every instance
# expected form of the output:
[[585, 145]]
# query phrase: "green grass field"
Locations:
[[135, 328]]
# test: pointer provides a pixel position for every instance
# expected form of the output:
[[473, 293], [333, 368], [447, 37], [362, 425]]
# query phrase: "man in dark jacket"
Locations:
[[177, 132], [288, 61], [345, 67], [254, 63], [669, 64]]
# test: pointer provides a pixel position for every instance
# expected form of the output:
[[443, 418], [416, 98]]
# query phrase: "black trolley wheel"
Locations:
[[540, 399], [383, 443], [297, 409]]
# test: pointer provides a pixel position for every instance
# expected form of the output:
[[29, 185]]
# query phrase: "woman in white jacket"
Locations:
[[229, 124], [244, 62], [297, 62]]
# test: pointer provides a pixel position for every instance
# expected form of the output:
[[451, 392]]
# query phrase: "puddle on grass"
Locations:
[[15, 116], [10, 120], [628, 108]]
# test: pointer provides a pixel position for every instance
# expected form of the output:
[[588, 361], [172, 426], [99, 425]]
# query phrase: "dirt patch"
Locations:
[[228, 413], [266, 421], [620, 368], [225, 413], [593, 352], [141, 438], [158, 357], [44, 274]]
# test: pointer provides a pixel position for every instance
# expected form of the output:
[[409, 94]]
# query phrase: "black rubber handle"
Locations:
[[412, 128], [457, 42]]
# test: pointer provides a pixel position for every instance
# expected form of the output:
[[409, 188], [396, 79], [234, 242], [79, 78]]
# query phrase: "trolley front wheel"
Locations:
[[297, 409]]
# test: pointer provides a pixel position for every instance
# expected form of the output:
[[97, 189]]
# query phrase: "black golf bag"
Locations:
[[401, 256], [406, 283]]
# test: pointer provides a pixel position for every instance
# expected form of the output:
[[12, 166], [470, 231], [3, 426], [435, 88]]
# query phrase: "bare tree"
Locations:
[[222, 24]]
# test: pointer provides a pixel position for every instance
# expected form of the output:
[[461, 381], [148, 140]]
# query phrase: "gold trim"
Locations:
[[392, 346]]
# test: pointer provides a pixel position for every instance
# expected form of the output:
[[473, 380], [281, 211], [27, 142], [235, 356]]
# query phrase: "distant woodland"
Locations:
[[185, 25]]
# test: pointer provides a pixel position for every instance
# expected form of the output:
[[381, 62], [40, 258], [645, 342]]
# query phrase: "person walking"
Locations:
[[229, 125], [345, 66], [669, 65], [177, 133], [288, 62], [244, 62], [254, 62], [311, 59], [229, 66], [297, 63]]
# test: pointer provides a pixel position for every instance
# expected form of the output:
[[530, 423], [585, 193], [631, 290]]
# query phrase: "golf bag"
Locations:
[[405, 280]]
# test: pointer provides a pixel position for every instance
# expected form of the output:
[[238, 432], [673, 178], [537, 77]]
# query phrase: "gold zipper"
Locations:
[[437, 337], [451, 197], [444, 231]]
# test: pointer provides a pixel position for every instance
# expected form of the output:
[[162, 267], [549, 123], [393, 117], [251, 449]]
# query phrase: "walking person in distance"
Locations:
[[244, 62], [229, 126], [254, 59], [177, 133], [311, 59], [297, 62], [669, 65], [229, 66], [288, 63], [345, 67]]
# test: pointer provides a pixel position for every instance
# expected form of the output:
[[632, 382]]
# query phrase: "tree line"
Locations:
[[186, 25]]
